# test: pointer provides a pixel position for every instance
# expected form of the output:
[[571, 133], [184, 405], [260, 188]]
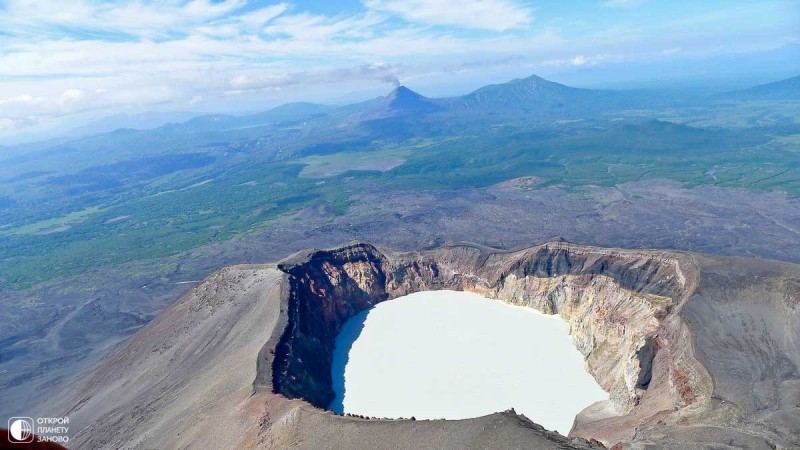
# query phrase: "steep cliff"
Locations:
[[696, 351], [615, 303]]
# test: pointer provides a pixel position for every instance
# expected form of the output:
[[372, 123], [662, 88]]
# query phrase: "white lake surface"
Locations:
[[457, 355]]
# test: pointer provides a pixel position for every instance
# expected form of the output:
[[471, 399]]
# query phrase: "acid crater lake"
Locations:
[[457, 355]]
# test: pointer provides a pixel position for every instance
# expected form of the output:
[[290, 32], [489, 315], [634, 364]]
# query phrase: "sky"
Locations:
[[66, 62]]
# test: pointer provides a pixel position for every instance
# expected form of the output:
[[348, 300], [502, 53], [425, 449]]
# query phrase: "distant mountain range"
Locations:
[[531, 98], [135, 121], [532, 95], [290, 112], [788, 89]]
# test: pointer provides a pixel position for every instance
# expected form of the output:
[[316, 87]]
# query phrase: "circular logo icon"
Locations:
[[20, 429]]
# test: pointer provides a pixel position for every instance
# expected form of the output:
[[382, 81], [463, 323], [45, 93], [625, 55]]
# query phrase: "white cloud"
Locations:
[[137, 18], [7, 124], [49, 104], [311, 27], [72, 95], [10, 125], [591, 60], [263, 15], [24, 110], [579, 60], [381, 72], [495, 15]]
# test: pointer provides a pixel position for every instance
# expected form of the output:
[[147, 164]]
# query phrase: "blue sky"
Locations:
[[63, 62]]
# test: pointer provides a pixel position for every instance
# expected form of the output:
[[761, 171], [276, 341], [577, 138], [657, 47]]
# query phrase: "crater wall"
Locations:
[[615, 302]]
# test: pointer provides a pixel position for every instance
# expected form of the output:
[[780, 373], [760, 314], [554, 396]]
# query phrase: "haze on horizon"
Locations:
[[63, 65]]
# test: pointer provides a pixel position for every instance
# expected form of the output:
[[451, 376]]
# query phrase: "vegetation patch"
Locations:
[[332, 165]]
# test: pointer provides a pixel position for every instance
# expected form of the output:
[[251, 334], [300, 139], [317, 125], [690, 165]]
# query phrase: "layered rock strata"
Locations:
[[615, 303]]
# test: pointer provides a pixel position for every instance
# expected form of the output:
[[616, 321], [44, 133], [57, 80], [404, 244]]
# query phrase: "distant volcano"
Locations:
[[403, 101], [532, 93]]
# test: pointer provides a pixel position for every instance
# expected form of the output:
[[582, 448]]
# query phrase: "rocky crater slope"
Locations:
[[695, 350]]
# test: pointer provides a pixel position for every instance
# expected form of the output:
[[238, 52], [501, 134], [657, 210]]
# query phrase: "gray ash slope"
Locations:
[[697, 351]]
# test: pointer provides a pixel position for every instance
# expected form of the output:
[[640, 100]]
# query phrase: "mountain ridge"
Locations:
[[222, 122], [786, 89], [530, 97], [520, 93]]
